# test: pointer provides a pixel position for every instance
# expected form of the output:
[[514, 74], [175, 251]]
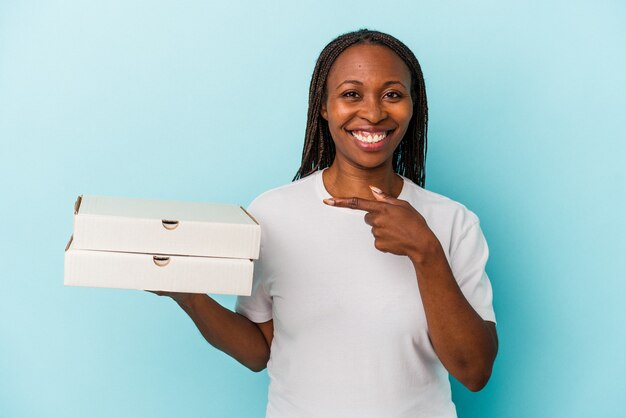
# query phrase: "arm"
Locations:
[[464, 342], [234, 334]]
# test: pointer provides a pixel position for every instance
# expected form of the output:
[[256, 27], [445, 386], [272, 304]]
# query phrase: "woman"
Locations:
[[369, 289]]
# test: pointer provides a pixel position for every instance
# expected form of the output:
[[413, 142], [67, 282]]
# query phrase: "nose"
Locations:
[[372, 110]]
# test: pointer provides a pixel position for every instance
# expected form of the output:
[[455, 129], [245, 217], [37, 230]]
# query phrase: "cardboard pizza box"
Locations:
[[124, 224], [144, 271]]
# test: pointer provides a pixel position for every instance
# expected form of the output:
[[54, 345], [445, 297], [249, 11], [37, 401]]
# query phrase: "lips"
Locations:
[[369, 137]]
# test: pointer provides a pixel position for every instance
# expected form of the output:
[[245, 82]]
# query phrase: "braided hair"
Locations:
[[318, 153]]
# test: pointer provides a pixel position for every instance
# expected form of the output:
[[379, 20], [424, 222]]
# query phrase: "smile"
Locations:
[[369, 137]]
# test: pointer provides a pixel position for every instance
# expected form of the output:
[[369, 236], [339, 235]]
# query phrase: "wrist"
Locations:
[[186, 300], [428, 253]]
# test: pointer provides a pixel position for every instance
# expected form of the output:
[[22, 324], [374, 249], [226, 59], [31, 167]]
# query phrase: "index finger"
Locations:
[[355, 203]]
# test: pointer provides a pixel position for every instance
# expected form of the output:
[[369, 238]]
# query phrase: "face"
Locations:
[[368, 105]]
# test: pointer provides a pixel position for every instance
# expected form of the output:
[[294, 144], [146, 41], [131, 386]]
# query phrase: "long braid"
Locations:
[[319, 150]]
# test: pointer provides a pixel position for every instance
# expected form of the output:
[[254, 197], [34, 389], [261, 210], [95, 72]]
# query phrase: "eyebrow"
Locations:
[[385, 84]]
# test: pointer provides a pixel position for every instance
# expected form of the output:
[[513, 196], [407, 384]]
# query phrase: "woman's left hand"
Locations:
[[397, 226]]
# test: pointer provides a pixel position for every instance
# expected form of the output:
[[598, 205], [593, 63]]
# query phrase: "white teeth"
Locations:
[[369, 138]]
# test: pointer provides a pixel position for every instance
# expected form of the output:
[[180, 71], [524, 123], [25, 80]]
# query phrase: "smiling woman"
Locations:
[[369, 289], [370, 112], [319, 150], [368, 108]]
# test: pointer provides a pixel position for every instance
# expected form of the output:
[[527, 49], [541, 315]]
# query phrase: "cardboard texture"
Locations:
[[165, 227], [156, 272], [161, 245]]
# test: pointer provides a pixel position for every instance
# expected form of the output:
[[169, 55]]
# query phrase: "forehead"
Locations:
[[368, 62]]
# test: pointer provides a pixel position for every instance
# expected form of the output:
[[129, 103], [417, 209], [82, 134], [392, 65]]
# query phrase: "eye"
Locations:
[[350, 94], [394, 95]]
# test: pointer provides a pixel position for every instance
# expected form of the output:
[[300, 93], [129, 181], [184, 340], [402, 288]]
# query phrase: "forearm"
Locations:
[[463, 341], [227, 331]]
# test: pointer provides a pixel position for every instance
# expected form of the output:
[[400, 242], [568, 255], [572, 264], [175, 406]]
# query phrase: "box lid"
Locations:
[[165, 227]]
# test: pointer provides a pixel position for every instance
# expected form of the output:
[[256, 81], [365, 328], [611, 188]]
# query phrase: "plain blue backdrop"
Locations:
[[206, 101]]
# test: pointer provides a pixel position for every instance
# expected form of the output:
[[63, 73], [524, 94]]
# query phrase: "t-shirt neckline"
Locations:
[[324, 194]]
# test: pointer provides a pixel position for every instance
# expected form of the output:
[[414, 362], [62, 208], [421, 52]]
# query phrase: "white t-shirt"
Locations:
[[350, 334]]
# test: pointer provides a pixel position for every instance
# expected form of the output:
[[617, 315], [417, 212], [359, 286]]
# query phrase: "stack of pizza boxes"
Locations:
[[162, 245]]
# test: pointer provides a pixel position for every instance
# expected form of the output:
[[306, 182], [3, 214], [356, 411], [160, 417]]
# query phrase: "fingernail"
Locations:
[[376, 189], [330, 202]]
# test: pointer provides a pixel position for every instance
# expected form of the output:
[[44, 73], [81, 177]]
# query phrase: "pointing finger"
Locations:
[[354, 203]]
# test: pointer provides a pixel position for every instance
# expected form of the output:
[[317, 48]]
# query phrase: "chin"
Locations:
[[366, 164]]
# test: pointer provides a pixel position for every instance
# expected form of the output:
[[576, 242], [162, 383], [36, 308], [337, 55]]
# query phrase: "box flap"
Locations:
[[79, 199], [69, 243], [248, 213]]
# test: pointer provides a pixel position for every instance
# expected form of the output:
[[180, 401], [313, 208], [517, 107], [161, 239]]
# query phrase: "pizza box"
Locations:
[[143, 271], [123, 224]]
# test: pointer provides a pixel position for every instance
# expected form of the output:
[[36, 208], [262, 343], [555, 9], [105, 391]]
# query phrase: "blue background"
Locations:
[[206, 101]]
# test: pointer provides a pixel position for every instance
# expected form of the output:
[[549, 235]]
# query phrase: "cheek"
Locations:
[[404, 118], [338, 114], [407, 112]]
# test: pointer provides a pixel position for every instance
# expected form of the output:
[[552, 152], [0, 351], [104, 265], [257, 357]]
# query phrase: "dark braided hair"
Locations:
[[319, 150]]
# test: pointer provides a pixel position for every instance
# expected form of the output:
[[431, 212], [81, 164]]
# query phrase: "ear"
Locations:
[[324, 110]]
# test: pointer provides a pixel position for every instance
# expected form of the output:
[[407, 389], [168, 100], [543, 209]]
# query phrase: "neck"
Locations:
[[345, 180]]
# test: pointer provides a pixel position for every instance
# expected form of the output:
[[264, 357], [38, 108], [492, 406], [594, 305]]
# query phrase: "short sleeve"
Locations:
[[258, 306], [467, 260]]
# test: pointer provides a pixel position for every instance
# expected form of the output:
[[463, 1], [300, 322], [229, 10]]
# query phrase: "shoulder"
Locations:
[[284, 196]]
